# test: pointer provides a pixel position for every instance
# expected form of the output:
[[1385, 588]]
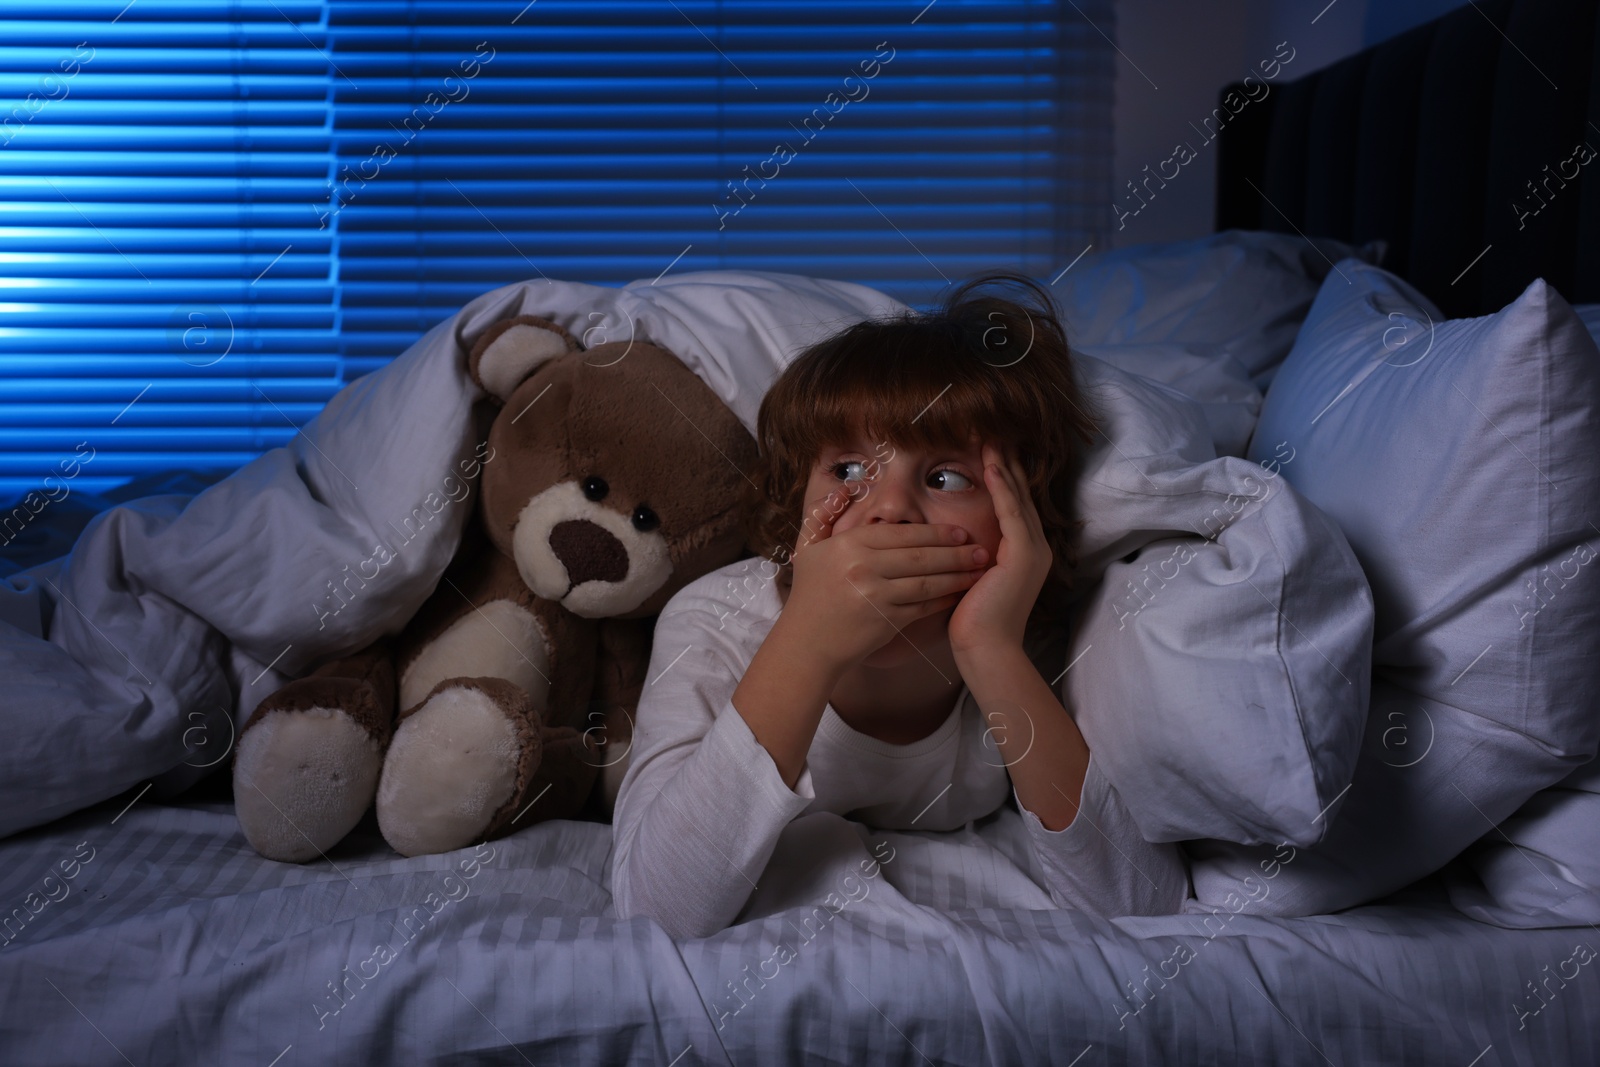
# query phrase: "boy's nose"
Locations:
[[888, 501]]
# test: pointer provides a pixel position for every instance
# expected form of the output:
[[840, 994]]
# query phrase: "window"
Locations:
[[214, 216]]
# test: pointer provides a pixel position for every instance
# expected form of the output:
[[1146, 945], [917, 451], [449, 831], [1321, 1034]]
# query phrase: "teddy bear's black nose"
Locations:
[[589, 552]]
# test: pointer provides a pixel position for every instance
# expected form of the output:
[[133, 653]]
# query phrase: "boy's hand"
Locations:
[[854, 591], [994, 614]]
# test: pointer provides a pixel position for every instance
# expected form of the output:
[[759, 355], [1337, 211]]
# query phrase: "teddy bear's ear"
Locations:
[[507, 352]]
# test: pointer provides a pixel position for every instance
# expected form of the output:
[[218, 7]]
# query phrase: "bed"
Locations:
[[142, 928]]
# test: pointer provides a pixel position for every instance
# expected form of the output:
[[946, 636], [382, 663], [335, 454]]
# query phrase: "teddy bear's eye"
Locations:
[[644, 519], [595, 487]]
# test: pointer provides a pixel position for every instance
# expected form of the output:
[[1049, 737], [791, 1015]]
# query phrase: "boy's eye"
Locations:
[[945, 478], [961, 481], [859, 475]]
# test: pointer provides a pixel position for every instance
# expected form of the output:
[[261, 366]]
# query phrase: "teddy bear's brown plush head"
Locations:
[[616, 471]]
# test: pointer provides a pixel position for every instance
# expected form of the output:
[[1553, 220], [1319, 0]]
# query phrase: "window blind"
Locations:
[[227, 211], [166, 297]]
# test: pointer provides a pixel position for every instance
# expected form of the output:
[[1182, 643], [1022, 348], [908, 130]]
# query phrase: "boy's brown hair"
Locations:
[[979, 362]]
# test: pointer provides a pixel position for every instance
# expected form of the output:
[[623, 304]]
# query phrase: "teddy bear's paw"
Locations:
[[304, 776], [454, 763]]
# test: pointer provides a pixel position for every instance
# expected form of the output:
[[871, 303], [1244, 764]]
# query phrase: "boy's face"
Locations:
[[908, 485]]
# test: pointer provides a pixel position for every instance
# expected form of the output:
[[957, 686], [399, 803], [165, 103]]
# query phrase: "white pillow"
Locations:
[[1541, 867], [1237, 293], [1219, 669], [1460, 458], [1230, 400]]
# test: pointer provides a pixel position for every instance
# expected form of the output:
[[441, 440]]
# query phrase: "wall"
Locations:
[[1176, 55]]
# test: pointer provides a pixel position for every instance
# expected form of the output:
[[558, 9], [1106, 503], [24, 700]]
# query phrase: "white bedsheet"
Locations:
[[175, 943]]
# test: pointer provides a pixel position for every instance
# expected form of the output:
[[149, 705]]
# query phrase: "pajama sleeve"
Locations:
[[1101, 863], [702, 803]]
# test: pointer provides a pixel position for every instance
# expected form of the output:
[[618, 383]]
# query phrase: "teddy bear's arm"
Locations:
[[498, 638], [482, 621]]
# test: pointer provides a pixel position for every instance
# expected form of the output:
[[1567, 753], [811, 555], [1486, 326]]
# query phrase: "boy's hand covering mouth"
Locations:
[[853, 591]]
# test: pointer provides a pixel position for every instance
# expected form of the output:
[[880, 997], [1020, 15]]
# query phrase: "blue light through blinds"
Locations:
[[221, 213], [153, 168]]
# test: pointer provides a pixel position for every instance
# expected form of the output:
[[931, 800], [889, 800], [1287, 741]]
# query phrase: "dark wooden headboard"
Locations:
[[1470, 143]]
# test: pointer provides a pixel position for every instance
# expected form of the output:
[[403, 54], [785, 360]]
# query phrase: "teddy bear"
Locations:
[[608, 479]]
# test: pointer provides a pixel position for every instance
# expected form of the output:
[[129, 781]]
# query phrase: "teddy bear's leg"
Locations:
[[307, 762], [453, 764], [477, 762], [472, 701]]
